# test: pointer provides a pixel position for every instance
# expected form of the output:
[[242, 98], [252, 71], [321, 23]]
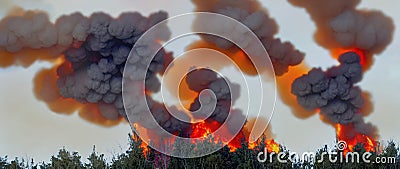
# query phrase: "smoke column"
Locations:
[[341, 26], [252, 15], [256, 18], [353, 36], [89, 55], [284, 56], [334, 93]]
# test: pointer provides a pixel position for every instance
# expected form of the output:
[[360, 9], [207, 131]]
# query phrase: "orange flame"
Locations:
[[348, 134], [204, 128], [143, 145], [272, 146], [145, 148]]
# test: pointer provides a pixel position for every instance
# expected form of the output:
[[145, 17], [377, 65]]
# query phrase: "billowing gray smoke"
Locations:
[[95, 51], [216, 95], [334, 92], [256, 18], [92, 53], [225, 93], [34, 30], [99, 62], [341, 26]]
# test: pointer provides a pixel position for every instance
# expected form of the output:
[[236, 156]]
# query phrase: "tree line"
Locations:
[[243, 158]]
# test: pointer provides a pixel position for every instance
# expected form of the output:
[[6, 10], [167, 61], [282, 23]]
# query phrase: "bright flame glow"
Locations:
[[337, 52], [203, 129], [343, 132]]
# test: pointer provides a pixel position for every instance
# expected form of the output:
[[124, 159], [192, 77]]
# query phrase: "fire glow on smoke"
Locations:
[[205, 129], [347, 132], [363, 59]]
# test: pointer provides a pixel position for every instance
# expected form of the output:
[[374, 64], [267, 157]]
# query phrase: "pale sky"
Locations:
[[29, 129]]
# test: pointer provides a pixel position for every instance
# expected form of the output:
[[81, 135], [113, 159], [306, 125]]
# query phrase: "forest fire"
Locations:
[[145, 148], [203, 129], [348, 134], [344, 30], [338, 99], [271, 145], [107, 69]]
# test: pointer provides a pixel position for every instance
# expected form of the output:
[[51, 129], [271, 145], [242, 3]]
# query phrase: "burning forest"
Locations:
[[110, 69]]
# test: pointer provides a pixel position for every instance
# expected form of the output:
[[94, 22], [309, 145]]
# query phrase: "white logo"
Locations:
[[341, 145]]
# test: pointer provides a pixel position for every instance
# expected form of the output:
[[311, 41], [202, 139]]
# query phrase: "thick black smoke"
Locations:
[[214, 101], [224, 91], [257, 19], [93, 50], [99, 62], [340, 25], [334, 92]]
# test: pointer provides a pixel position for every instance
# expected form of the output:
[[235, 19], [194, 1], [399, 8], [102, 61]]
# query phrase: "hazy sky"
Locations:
[[29, 129]]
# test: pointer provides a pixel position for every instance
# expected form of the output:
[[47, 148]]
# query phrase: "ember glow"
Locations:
[[348, 134], [272, 146], [145, 148], [204, 129]]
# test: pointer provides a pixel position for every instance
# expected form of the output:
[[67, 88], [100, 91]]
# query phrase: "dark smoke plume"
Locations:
[[90, 54], [334, 92], [225, 92], [341, 26], [256, 18], [98, 63]]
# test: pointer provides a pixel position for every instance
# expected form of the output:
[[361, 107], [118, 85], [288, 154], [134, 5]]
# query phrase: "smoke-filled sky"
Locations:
[[29, 129]]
